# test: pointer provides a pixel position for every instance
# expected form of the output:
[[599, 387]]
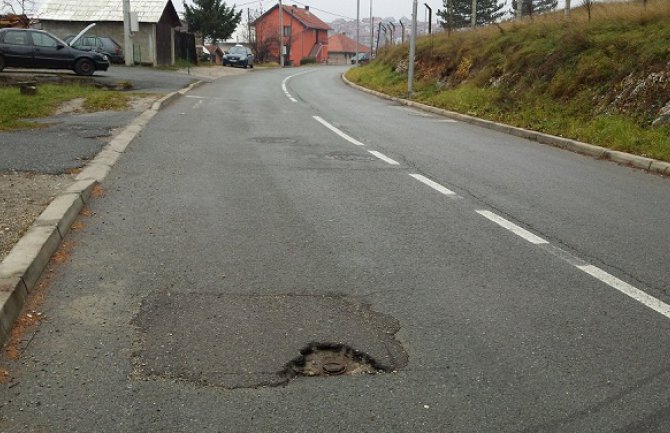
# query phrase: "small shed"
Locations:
[[153, 44]]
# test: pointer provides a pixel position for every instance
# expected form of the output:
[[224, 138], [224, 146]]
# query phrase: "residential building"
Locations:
[[305, 36], [341, 49]]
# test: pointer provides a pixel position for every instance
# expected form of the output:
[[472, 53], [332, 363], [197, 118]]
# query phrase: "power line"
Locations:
[[324, 11]]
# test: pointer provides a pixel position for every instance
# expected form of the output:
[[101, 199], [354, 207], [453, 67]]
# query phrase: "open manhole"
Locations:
[[275, 140], [332, 360], [347, 156]]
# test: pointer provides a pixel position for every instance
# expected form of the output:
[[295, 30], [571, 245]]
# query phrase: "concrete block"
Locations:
[[30, 255], [62, 212], [13, 296], [107, 157], [83, 188], [660, 167], [94, 171], [628, 159]]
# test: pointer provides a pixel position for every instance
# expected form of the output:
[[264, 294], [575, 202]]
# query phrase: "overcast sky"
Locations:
[[330, 10]]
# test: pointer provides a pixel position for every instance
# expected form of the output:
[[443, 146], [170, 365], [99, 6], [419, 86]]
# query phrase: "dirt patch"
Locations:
[[23, 197]]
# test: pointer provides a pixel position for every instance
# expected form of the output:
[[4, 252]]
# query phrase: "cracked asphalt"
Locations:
[[238, 228]]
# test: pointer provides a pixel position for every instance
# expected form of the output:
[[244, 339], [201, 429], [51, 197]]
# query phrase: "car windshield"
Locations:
[[237, 50]]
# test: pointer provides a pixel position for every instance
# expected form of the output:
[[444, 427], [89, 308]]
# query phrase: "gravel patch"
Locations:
[[23, 197]]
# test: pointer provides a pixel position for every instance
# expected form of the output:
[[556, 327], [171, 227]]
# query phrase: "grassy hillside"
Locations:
[[604, 81]]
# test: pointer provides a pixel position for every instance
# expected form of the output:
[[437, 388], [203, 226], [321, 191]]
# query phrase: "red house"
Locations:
[[305, 35]]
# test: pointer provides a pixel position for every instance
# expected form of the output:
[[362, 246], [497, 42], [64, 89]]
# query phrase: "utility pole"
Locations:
[[519, 9], [281, 35], [474, 14], [127, 40], [358, 28], [567, 8], [402, 26], [392, 33], [412, 51], [372, 31]]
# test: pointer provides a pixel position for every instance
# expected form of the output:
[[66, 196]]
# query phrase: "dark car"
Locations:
[[99, 44], [239, 56], [28, 48], [362, 58]]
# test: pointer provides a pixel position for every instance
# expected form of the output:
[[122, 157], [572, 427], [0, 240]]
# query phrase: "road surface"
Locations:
[[496, 284]]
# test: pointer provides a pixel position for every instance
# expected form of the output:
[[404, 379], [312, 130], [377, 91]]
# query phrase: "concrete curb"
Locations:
[[21, 269], [647, 164]]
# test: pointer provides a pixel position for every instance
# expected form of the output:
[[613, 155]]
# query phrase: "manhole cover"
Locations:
[[346, 156], [332, 360], [275, 140]]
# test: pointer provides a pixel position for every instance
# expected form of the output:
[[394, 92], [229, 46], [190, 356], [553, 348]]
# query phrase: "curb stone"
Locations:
[[21, 269], [641, 162]]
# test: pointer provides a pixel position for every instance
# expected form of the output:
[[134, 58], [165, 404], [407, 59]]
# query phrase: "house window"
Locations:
[[287, 31]]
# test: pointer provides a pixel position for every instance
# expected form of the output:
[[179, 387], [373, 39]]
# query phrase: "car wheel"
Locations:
[[251, 66], [84, 67], [2, 63]]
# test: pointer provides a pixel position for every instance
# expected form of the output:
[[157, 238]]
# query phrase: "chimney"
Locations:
[[307, 8]]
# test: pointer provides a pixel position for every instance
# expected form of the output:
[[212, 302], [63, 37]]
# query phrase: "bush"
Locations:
[[308, 61]]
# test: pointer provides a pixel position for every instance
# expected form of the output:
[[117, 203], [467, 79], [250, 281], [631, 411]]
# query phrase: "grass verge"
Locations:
[[602, 80], [16, 109]]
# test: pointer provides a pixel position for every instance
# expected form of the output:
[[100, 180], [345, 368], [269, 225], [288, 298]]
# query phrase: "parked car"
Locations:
[[363, 58], [239, 56], [28, 48], [100, 44]]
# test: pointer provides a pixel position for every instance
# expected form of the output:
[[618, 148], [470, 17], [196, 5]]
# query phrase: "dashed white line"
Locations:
[[502, 222], [384, 157], [436, 186], [628, 290], [337, 131]]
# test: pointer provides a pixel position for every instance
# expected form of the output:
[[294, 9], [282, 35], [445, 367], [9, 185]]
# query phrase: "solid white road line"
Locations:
[[285, 82], [627, 289], [384, 157], [436, 186], [337, 131], [533, 239]]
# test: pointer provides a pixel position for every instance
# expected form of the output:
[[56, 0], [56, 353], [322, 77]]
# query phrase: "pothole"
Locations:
[[347, 156], [275, 140], [319, 359]]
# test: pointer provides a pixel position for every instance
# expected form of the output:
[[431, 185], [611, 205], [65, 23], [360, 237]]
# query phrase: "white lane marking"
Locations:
[[627, 289], [436, 186], [198, 104], [337, 131], [285, 82], [384, 157], [502, 222]]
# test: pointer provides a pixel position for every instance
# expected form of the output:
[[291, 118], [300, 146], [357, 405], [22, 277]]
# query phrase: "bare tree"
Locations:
[[17, 7], [588, 5]]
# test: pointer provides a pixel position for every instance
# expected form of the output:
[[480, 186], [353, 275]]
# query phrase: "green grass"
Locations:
[[550, 74], [16, 109]]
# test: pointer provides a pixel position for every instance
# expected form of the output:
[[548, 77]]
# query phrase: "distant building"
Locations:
[[304, 34], [341, 49]]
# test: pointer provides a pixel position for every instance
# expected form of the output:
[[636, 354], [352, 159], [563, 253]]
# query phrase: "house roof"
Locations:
[[148, 11], [305, 16], [341, 43]]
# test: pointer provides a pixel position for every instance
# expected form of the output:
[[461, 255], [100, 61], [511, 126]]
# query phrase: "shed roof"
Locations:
[[341, 43], [148, 11]]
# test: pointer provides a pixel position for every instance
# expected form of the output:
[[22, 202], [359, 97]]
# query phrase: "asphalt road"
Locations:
[[498, 284], [70, 141]]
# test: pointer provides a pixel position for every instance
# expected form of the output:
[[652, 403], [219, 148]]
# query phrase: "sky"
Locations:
[[330, 10]]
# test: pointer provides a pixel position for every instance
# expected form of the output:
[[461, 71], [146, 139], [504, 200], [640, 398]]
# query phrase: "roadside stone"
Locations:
[[663, 116]]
